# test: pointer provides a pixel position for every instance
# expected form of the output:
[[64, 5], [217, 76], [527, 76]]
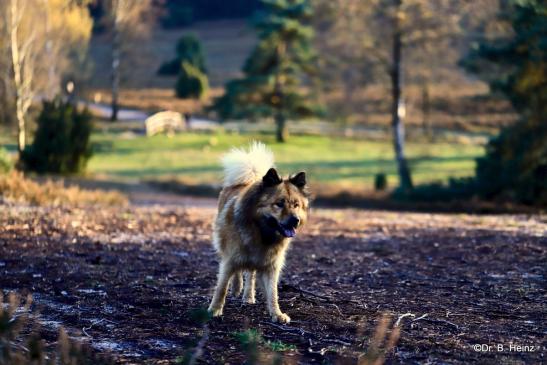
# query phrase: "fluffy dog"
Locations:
[[258, 215]]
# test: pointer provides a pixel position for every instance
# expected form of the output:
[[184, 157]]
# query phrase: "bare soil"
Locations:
[[130, 282]]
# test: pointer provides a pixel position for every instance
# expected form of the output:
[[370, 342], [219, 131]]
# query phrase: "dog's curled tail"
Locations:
[[246, 166]]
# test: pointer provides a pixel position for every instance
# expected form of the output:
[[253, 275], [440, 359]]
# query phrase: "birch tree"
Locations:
[[127, 20], [23, 50], [34, 31], [384, 33]]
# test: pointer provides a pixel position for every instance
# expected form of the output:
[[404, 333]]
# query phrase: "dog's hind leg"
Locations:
[[225, 273], [249, 292], [237, 283]]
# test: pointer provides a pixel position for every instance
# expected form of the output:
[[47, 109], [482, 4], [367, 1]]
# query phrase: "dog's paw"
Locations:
[[281, 318], [215, 312], [249, 300]]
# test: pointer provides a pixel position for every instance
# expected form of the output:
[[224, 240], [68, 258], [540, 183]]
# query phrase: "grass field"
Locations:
[[335, 162]]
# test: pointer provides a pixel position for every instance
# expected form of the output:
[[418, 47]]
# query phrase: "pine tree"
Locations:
[[276, 72], [515, 164]]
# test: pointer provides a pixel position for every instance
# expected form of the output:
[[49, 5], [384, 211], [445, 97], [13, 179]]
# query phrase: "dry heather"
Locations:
[[21, 342], [15, 187]]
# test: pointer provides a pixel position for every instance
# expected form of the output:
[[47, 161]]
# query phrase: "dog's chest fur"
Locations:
[[237, 237]]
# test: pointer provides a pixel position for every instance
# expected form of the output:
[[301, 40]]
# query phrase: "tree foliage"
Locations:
[[515, 164], [188, 50], [39, 44], [62, 141], [127, 21], [276, 72], [191, 82], [180, 13]]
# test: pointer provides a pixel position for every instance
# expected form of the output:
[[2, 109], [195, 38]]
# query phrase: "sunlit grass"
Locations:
[[343, 162]]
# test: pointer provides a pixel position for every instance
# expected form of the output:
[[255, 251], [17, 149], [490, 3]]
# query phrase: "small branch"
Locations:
[[334, 340], [84, 329], [301, 332], [419, 318], [437, 321], [401, 317], [325, 298]]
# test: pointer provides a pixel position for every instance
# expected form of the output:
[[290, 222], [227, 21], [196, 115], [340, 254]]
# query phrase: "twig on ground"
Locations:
[[438, 321], [420, 317], [84, 329], [337, 308], [301, 332], [325, 298], [334, 340], [403, 316], [300, 290]]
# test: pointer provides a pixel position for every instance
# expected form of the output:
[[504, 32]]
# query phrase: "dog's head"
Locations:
[[282, 207]]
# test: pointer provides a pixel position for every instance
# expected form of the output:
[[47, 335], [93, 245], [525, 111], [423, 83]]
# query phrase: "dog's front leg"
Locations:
[[225, 272], [269, 279]]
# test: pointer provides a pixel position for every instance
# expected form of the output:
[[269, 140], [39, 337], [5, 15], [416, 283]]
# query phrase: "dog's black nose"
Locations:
[[293, 221]]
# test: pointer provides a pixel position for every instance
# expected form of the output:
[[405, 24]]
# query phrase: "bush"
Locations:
[[6, 162], [191, 83], [515, 164], [188, 50], [61, 144], [457, 189], [380, 182], [169, 68]]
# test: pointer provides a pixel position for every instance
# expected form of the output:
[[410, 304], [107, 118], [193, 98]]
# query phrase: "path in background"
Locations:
[[316, 128]]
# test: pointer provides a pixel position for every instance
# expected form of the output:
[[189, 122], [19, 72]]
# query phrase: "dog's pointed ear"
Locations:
[[299, 180], [271, 178]]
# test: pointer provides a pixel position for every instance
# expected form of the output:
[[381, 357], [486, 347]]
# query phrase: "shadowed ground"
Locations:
[[129, 281]]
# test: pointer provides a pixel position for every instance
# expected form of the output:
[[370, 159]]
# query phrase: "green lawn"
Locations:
[[346, 163]]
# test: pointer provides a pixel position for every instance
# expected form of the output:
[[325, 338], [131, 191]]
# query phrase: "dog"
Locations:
[[258, 215]]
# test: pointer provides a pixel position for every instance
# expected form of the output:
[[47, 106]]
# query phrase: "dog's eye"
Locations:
[[280, 203], [296, 204]]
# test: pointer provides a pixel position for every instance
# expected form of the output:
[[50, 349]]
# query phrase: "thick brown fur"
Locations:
[[250, 240]]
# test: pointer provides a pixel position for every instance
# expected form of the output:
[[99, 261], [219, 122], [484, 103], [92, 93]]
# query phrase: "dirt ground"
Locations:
[[130, 282]]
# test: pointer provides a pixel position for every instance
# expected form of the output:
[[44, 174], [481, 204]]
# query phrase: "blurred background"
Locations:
[[414, 103]]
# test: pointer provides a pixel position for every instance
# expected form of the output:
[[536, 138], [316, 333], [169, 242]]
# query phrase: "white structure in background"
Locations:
[[164, 122]]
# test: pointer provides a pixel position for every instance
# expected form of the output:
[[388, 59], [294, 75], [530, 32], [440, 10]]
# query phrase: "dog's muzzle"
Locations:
[[286, 229]]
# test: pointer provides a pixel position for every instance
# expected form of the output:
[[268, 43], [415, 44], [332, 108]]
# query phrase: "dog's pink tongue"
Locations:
[[289, 232]]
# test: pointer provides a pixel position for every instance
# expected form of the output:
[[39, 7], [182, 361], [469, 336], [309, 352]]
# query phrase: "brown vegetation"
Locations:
[[15, 187]]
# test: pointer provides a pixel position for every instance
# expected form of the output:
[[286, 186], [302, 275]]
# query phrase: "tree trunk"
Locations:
[[426, 108], [282, 130], [116, 55], [21, 129], [17, 75], [405, 180], [52, 83]]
